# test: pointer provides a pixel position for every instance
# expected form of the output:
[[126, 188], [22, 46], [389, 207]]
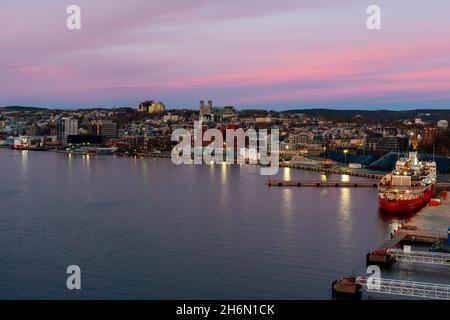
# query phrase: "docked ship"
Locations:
[[26, 147], [26, 143], [409, 187]]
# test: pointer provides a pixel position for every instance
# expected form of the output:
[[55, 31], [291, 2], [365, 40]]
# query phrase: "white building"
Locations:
[[66, 127], [442, 124]]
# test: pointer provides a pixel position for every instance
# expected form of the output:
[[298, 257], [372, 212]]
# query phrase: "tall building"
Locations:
[[429, 134], [151, 107], [65, 127], [105, 128], [205, 110]]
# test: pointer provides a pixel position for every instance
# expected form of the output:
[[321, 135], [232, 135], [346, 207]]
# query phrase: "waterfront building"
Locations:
[[105, 128], [85, 140], [66, 126], [384, 144], [298, 140]]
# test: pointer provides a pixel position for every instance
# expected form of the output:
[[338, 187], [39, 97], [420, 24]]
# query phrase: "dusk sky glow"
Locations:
[[268, 54]]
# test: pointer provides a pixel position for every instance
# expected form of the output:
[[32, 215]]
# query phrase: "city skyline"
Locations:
[[280, 56]]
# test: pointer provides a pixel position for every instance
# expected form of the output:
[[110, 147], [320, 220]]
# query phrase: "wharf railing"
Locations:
[[405, 288], [423, 257]]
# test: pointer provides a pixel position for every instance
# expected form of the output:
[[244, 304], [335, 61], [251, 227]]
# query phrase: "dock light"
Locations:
[[345, 154]]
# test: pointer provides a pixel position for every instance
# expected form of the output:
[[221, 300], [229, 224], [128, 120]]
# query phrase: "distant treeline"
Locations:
[[21, 108], [389, 115]]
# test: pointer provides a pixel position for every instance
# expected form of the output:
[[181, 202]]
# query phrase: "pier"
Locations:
[[334, 170], [345, 184], [406, 288], [428, 226], [319, 183], [422, 257], [353, 286]]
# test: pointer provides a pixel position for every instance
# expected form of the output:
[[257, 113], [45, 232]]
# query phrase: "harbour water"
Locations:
[[147, 229]]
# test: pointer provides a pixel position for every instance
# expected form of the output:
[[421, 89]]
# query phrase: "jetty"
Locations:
[[334, 184], [429, 225], [319, 183]]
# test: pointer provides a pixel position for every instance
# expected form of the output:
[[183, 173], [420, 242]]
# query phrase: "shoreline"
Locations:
[[340, 170]]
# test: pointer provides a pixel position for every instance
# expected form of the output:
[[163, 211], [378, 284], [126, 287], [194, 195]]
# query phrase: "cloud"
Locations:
[[236, 51]]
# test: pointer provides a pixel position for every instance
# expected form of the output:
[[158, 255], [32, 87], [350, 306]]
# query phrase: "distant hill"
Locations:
[[425, 114], [21, 108]]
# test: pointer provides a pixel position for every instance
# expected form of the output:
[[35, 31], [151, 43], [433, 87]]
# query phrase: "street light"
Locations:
[[345, 155]]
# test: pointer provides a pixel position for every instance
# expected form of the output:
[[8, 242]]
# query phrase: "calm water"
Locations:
[[148, 229]]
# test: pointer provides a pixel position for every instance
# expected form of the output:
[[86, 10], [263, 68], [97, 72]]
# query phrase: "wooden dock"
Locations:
[[319, 183]]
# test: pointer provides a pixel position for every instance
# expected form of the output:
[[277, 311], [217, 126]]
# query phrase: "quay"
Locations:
[[344, 184], [334, 170], [428, 226], [353, 286], [319, 183]]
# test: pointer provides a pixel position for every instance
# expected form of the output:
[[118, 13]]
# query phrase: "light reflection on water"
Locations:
[[287, 174], [145, 228], [345, 213]]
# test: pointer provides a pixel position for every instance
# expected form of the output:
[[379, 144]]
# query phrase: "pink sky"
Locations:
[[269, 54]]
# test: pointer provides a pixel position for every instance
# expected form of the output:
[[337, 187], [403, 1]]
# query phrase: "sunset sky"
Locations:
[[250, 53]]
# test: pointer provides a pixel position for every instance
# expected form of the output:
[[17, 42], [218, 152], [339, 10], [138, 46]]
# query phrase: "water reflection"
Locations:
[[344, 211], [394, 222], [287, 237], [224, 172], [287, 205], [287, 174], [144, 168], [24, 162], [86, 164]]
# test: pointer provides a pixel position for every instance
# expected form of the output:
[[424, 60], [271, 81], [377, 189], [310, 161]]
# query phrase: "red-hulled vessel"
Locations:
[[25, 147], [409, 187]]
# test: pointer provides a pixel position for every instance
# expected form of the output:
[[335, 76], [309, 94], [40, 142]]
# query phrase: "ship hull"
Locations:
[[23, 148], [406, 206]]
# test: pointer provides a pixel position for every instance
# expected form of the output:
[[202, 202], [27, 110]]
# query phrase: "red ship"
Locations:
[[26, 147], [409, 187]]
